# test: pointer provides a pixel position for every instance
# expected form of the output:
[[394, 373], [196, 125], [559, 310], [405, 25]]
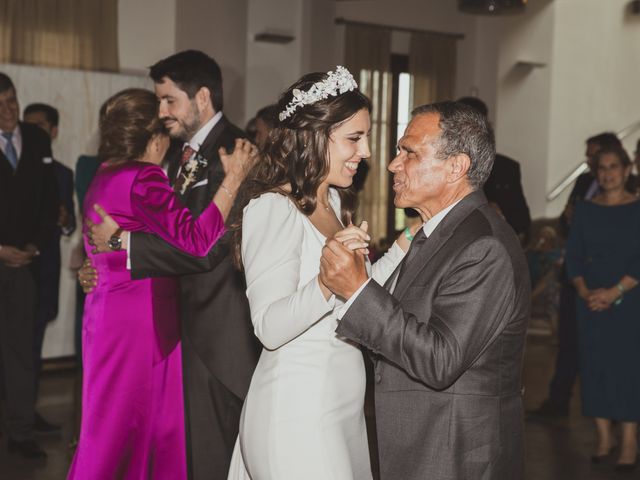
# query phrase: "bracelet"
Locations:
[[621, 290], [407, 234], [227, 191]]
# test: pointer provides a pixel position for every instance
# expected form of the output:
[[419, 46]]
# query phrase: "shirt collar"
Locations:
[[198, 139], [431, 224]]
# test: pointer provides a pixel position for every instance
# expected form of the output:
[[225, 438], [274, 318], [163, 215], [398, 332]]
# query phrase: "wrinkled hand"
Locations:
[[99, 233], [14, 257], [355, 238], [87, 276], [342, 270], [237, 164]]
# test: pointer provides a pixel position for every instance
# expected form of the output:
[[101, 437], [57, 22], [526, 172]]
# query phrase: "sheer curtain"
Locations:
[[367, 56], [432, 65], [80, 34]]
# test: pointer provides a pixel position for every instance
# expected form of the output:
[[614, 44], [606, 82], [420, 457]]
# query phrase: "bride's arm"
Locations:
[[272, 236]]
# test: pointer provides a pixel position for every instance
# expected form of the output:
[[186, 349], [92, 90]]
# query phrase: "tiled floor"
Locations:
[[557, 450]]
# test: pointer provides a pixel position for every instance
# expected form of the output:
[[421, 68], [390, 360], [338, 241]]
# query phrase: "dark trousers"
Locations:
[[212, 415], [17, 316], [39, 329], [567, 360]]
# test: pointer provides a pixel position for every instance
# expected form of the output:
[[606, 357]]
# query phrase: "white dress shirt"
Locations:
[[16, 140]]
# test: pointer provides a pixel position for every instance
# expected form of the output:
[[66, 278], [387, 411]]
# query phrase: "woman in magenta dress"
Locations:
[[133, 414]]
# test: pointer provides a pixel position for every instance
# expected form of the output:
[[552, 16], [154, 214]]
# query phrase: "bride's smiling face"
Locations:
[[348, 145]]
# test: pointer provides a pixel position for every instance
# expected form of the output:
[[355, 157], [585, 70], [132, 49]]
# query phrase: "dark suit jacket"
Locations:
[[49, 281], [450, 343], [215, 312], [504, 187], [28, 195]]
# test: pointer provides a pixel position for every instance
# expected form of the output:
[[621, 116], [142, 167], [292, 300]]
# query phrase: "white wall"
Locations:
[[146, 32], [523, 96], [218, 28], [594, 78], [78, 96], [272, 67]]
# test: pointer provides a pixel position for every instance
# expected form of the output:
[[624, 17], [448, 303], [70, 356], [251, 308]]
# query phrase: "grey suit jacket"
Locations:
[[449, 344]]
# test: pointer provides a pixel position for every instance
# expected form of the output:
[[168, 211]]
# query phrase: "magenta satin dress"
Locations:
[[132, 399]]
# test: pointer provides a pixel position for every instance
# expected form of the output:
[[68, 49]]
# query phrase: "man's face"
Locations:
[[419, 178], [9, 110], [40, 119], [590, 153], [179, 113]]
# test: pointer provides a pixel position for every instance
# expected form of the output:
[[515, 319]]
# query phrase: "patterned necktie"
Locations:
[[416, 243], [182, 176], [10, 151]]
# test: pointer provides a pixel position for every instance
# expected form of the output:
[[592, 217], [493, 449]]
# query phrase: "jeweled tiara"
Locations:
[[336, 83]]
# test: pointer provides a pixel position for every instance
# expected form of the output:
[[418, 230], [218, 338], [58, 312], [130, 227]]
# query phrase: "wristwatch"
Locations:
[[115, 242]]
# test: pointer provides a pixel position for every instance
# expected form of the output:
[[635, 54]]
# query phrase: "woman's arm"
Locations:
[[281, 308], [155, 204]]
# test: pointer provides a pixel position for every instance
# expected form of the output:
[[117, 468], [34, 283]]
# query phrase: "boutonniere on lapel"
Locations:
[[190, 171]]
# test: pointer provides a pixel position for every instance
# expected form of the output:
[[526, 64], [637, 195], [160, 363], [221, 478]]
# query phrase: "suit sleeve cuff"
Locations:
[[341, 311], [129, 240]]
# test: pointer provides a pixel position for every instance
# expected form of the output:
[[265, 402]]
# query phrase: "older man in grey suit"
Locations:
[[448, 328]]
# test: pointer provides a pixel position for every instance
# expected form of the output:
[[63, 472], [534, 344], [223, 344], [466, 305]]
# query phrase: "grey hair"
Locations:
[[463, 130]]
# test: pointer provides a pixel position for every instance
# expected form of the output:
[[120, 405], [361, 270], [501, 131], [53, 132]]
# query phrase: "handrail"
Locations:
[[583, 167]]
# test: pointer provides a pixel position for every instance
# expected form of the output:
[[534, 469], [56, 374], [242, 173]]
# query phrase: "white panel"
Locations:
[[78, 96]]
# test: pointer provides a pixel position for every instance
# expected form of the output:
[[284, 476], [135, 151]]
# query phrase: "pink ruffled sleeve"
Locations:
[[156, 205]]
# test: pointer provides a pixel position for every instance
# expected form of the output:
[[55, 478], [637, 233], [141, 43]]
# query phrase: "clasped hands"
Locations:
[[343, 262], [18, 257], [599, 299]]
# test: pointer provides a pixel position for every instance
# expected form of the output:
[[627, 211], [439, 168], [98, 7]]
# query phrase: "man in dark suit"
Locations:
[[28, 212], [503, 188], [448, 328], [47, 118], [219, 348]]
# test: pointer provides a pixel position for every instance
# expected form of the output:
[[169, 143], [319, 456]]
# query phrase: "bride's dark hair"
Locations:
[[296, 154]]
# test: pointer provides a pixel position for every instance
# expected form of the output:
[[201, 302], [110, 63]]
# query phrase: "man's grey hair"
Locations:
[[463, 130]]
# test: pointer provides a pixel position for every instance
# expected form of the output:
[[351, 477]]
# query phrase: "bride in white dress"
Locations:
[[303, 417]]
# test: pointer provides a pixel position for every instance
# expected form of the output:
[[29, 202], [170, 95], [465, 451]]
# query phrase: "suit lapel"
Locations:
[[208, 150], [438, 239]]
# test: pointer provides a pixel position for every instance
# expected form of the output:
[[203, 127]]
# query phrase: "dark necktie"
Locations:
[[182, 176], [10, 151], [416, 243]]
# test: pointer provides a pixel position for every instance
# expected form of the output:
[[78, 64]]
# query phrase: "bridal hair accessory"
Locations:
[[336, 83]]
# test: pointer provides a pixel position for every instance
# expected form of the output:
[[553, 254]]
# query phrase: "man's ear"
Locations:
[[203, 98], [54, 133], [459, 165]]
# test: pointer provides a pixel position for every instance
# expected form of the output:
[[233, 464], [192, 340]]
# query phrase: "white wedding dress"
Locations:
[[303, 418]]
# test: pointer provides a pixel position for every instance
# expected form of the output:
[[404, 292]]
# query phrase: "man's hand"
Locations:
[[14, 257], [64, 217], [342, 270], [87, 276], [100, 233]]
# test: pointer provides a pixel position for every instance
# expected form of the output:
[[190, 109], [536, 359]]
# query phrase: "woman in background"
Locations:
[[603, 261]]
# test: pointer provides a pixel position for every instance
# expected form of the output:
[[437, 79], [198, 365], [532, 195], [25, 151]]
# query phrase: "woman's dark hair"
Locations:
[[618, 151], [128, 120], [297, 153]]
